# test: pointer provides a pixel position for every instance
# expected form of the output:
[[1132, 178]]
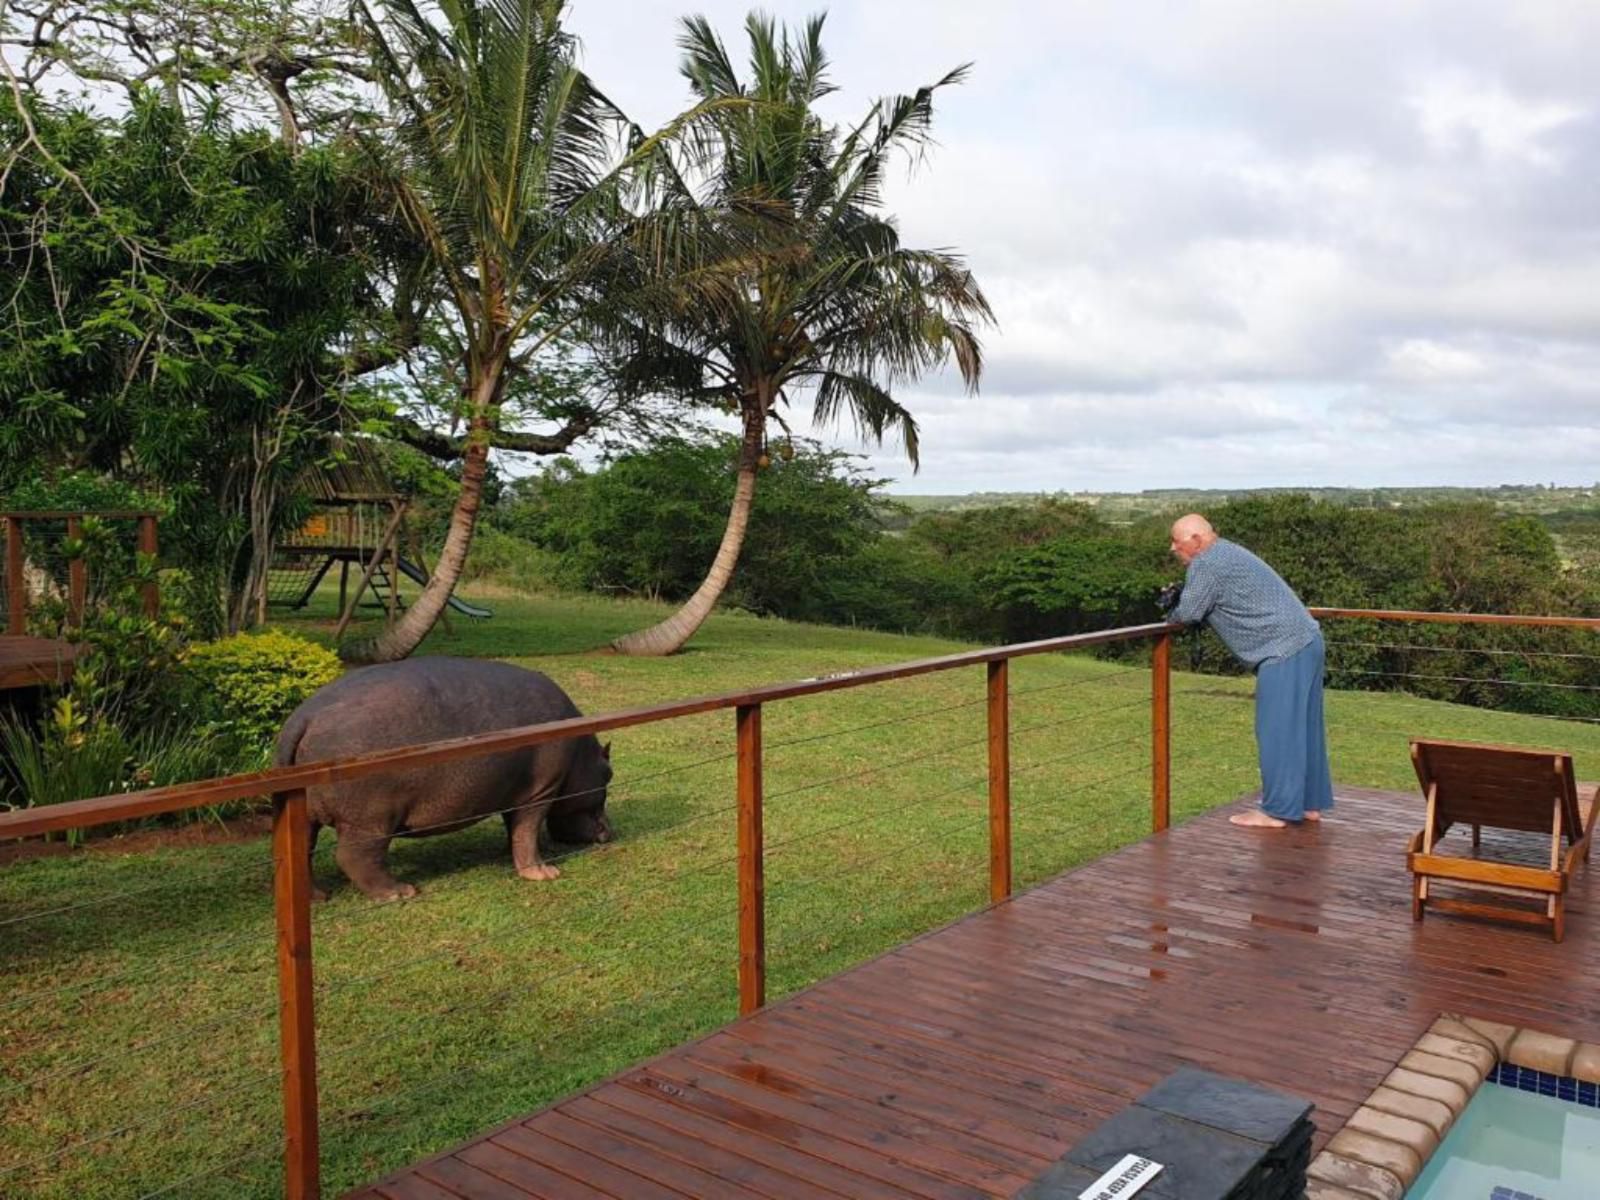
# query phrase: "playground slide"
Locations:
[[414, 572]]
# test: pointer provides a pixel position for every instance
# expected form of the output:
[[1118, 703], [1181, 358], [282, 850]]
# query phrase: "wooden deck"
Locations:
[[963, 1063], [31, 661]]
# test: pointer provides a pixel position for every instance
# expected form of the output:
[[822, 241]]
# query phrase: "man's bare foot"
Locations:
[[1313, 815], [541, 873], [1257, 820]]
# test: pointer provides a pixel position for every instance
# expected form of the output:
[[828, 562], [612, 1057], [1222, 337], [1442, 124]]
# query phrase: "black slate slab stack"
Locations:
[[1215, 1138]]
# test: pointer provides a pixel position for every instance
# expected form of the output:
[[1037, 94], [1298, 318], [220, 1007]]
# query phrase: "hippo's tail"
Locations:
[[289, 740]]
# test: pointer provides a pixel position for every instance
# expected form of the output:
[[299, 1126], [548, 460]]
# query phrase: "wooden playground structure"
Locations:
[[358, 519]]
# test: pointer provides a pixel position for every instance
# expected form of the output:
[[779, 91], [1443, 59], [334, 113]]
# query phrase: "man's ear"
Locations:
[[605, 750]]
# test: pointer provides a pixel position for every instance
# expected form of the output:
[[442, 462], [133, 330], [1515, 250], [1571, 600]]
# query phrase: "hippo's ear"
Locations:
[[605, 750]]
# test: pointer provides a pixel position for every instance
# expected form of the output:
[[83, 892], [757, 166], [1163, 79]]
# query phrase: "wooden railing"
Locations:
[[291, 827], [291, 821], [77, 569]]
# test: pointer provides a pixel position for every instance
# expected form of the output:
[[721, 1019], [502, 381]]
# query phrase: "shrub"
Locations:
[[249, 683], [75, 754]]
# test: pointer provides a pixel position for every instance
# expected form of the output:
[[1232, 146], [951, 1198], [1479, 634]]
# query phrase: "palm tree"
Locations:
[[835, 306], [516, 174]]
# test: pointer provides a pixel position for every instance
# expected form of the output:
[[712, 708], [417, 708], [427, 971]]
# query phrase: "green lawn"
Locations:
[[146, 1010]]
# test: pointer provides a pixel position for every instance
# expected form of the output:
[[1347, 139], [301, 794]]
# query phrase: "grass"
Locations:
[[146, 1009]]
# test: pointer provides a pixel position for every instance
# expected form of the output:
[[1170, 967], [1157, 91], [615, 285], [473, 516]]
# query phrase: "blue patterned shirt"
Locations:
[[1246, 603]]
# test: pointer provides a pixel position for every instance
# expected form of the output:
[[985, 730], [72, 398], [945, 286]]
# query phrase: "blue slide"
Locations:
[[415, 573]]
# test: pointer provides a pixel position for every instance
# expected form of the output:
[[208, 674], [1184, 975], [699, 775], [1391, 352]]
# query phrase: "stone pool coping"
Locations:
[[1385, 1143]]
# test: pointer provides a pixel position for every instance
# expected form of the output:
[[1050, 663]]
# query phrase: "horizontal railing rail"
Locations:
[[291, 820], [1454, 618]]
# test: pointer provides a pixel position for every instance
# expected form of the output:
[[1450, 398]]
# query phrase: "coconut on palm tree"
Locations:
[[517, 176], [833, 307]]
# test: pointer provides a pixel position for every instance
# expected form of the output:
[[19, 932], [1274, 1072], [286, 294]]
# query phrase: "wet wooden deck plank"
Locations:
[[961, 1064]]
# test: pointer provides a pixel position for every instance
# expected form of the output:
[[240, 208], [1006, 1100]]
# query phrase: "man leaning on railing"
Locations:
[[1260, 619]]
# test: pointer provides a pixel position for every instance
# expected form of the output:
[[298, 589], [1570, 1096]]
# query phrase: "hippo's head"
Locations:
[[578, 816]]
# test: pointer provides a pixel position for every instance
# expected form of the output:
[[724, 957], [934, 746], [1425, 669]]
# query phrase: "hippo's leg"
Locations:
[[362, 854], [317, 894], [522, 824]]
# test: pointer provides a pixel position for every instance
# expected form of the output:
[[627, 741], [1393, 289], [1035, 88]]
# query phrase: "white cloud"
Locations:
[[1334, 241], [1459, 113], [1424, 361]]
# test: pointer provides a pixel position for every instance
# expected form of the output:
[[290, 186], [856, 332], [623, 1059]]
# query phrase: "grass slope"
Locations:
[[140, 996]]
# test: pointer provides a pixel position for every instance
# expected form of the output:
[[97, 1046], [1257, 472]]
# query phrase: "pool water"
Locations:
[[1508, 1141]]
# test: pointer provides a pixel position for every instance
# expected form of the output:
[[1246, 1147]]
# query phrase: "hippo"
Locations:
[[558, 785]]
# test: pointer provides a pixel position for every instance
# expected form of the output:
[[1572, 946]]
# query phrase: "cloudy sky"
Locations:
[[1314, 242]]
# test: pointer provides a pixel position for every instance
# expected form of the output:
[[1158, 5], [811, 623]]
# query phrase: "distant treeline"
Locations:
[[818, 550]]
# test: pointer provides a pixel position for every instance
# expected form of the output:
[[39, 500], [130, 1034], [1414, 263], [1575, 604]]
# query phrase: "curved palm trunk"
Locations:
[[406, 634], [669, 636]]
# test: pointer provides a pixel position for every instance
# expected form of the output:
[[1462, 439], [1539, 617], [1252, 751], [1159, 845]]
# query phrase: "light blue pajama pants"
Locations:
[[1290, 737]]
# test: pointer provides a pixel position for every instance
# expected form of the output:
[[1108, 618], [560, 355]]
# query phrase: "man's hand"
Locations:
[[1167, 597]]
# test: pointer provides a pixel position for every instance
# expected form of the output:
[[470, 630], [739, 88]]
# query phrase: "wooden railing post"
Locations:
[[147, 545], [752, 866], [16, 585], [999, 782], [1161, 733], [291, 858], [77, 576]]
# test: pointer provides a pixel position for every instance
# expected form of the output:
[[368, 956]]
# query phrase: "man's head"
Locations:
[[1192, 536]]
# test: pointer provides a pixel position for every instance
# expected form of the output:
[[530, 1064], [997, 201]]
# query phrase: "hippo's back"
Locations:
[[418, 700]]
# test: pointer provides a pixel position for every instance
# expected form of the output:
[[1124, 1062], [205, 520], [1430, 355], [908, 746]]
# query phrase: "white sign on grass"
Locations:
[[1125, 1179]]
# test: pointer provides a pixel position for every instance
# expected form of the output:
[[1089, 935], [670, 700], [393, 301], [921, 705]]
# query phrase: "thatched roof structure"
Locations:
[[358, 473]]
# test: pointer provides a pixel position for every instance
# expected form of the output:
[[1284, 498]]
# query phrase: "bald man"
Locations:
[[1249, 606]]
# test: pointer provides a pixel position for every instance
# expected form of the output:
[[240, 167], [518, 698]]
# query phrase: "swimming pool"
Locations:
[[1510, 1143]]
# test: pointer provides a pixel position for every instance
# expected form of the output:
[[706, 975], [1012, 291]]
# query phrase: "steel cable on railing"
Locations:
[[771, 849], [339, 1121], [84, 1066], [1077, 683], [1494, 651], [323, 986], [264, 868], [925, 836], [1021, 730], [948, 749], [326, 1061], [940, 831], [770, 747], [1489, 680], [242, 939], [166, 1113], [874, 770], [254, 1156], [631, 784], [983, 818]]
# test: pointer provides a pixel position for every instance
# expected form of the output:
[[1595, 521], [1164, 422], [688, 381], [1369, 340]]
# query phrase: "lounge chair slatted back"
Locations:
[[1499, 787]]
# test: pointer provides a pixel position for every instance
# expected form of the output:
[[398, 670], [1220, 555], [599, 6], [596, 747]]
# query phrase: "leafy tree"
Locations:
[[645, 522], [833, 305], [1075, 583], [188, 310], [504, 165]]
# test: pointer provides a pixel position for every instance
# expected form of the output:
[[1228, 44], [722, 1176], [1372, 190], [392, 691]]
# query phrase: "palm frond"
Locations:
[[874, 412]]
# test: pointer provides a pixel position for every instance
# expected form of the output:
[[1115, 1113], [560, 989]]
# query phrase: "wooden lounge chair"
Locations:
[[1502, 787]]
